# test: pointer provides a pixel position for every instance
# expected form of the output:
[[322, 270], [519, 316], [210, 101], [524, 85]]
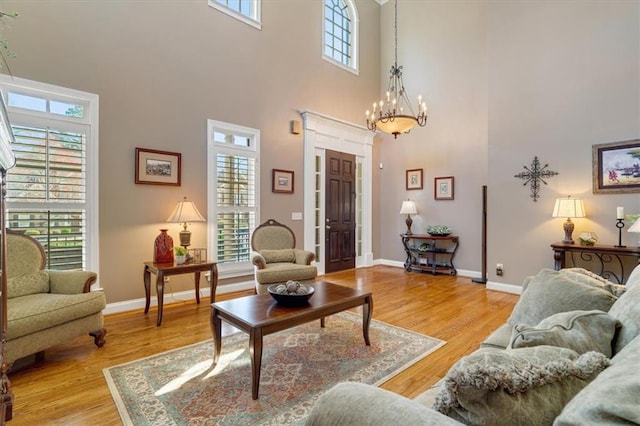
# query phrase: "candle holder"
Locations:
[[620, 225]]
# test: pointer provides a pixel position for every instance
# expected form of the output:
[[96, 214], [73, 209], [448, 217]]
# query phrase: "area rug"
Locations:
[[180, 387]]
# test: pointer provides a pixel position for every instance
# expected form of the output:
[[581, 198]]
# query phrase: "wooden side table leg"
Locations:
[[367, 309], [255, 349], [147, 289], [214, 282], [160, 294], [198, 287], [216, 328]]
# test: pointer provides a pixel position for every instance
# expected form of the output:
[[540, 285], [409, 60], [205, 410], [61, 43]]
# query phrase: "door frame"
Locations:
[[322, 132]]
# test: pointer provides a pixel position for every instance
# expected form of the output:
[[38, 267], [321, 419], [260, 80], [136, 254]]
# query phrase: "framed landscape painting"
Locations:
[[282, 181], [616, 167], [155, 167]]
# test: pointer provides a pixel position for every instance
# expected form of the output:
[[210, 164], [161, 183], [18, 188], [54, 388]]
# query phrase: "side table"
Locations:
[[162, 270]]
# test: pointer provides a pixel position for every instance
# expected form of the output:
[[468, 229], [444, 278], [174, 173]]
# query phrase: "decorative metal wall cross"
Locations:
[[534, 175]]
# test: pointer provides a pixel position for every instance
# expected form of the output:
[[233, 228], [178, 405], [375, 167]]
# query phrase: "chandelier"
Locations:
[[395, 115]]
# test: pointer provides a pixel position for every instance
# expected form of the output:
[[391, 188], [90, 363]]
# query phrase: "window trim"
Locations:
[[253, 22], [91, 103], [354, 67], [228, 270]]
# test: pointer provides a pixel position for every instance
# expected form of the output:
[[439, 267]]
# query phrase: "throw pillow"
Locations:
[[595, 280], [277, 256], [22, 285], [627, 311], [550, 292], [581, 331], [527, 386], [612, 398]]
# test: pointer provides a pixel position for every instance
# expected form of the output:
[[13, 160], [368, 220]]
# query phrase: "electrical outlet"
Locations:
[[499, 269], [166, 279]]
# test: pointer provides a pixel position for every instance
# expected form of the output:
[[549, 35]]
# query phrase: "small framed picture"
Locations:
[[616, 167], [282, 181], [414, 179], [443, 188], [155, 167]]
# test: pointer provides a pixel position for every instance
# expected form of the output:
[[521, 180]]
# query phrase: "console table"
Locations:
[[162, 270], [610, 262], [430, 253]]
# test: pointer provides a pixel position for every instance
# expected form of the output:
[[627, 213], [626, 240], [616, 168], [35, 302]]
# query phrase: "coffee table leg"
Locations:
[[367, 308], [216, 329], [255, 349]]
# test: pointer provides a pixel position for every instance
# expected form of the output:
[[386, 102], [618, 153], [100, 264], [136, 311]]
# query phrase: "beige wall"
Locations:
[[507, 81], [161, 70]]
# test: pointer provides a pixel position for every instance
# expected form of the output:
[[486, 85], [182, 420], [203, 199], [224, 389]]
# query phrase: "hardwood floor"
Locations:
[[68, 387]]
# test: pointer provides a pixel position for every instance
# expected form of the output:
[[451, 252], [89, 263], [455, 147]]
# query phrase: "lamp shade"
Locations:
[[184, 212], [408, 207], [568, 207], [635, 227]]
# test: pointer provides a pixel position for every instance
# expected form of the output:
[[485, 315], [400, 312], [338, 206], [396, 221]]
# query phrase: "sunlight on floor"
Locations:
[[199, 369]]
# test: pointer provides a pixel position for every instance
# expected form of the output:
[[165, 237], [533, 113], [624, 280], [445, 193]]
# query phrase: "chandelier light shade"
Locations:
[[570, 208], [395, 115], [185, 212], [408, 207]]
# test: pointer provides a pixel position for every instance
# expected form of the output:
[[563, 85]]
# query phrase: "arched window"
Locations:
[[341, 33]]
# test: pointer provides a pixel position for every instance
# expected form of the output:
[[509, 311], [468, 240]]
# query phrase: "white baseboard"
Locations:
[[504, 287], [131, 305]]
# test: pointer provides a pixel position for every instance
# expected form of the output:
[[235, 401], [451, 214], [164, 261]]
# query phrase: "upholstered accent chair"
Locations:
[[275, 258], [47, 307]]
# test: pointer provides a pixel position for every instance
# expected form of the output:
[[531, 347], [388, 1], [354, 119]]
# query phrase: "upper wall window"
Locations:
[[341, 33], [247, 11]]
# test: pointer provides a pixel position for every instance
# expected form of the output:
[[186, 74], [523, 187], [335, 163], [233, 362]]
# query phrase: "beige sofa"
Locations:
[[568, 355], [47, 307]]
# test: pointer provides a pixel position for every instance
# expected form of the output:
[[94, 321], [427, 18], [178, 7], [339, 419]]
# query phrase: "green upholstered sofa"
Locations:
[[568, 355], [275, 258], [47, 307]]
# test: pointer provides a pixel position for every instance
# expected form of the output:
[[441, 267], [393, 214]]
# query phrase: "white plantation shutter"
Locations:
[[233, 194]]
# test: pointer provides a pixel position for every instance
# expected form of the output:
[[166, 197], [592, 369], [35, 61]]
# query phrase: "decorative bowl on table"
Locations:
[[291, 294], [438, 230]]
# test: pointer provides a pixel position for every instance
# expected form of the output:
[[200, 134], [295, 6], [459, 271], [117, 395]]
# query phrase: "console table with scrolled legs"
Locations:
[[430, 253], [610, 262]]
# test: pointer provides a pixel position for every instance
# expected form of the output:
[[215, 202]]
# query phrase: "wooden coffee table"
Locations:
[[260, 315]]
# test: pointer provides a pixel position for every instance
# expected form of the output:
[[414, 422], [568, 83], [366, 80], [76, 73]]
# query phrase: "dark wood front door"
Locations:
[[340, 212]]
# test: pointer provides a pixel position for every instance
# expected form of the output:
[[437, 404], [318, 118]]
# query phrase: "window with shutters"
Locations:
[[52, 190], [340, 33], [233, 194], [247, 11]]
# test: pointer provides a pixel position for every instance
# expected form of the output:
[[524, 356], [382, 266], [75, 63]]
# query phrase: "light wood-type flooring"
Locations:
[[68, 387]]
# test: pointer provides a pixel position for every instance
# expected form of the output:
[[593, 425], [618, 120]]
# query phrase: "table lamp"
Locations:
[[568, 207], [184, 213], [408, 208], [635, 228]]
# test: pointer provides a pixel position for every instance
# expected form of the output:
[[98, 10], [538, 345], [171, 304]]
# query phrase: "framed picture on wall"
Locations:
[[414, 179], [282, 181], [616, 167], [443, 188], [155, 167]]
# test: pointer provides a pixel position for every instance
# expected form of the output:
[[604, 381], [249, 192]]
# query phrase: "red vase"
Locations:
[[163, 248]]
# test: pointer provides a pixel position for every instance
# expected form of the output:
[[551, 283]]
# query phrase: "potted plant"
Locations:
[[181, 255]]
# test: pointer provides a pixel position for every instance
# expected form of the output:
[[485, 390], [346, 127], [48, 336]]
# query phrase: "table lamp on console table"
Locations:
[[409, 208], [570, 208]]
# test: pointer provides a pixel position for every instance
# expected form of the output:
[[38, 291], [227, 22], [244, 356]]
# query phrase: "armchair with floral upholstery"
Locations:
[[275, 258], [47, 307]]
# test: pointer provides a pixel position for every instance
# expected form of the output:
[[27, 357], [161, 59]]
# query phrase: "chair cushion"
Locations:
[[278, 256], [627, 310], [581, 331], [35, 312], [32, 283], [281, 272], [509, 387]]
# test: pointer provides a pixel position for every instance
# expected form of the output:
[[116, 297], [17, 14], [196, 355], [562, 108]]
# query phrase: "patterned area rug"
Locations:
[[180, 386]]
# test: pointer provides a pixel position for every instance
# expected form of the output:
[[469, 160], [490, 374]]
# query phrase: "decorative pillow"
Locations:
[[612, 398], [276, 256], [550, 292], [511, 386], [581, 331], [595, 280], [36, 282], [627, 311]]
